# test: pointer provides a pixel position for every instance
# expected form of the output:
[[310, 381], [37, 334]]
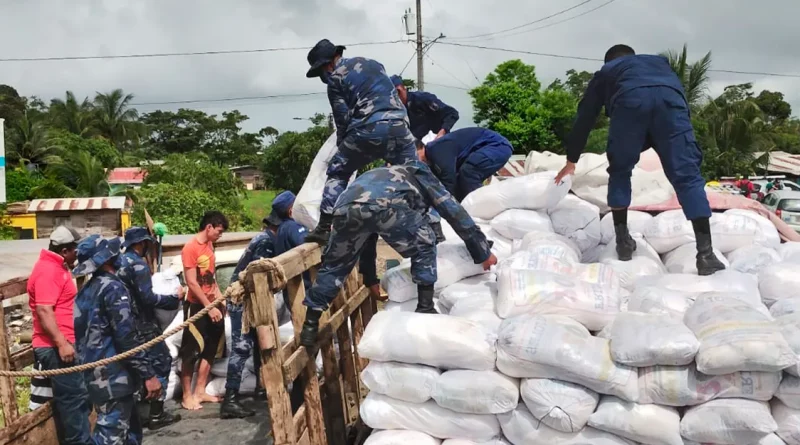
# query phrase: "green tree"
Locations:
[[775, 109], [12, 105], [286, 162], [693, 75], [100, 148], [179, 206], [510, 102], [73, 174], [72, 116], [116, 120], [20, 183], [269, 132], [28, 141]]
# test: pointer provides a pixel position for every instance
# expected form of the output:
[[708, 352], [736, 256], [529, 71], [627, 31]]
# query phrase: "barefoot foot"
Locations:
[[207, 398], [191, 404]]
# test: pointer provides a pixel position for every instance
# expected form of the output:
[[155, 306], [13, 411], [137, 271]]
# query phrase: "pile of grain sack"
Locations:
[[549, 349]]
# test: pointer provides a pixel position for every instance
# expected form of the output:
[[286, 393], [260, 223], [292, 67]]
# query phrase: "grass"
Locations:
[[23, 389], [258, 203]]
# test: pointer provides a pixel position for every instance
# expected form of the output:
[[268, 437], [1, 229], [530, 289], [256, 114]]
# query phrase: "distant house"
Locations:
[[250, 176], [132, 176], [106, 216]]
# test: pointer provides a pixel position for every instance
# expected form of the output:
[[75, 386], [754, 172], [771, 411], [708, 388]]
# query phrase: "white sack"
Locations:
[[637, 223], [410, 383], [477, 286], [578, 220], [174, 341], [521, 428], [216, 387], [788, 422], [596, 273], [173, 388], [499, 441], [411, 306], [400, 437], [550, 244], [645, 424], [473, 303], [220, 367], [785, 306], [516, 223], [683, 260], [722, 281], [489, 320], [379, 411], [789, 391], [640, 340], [532, 192], [767, 235], [555, 347], [503, 247], [684, 386], [730, 231], [778, 282], [728, 421], [669, 230], [753, 258], [593, 255], [736, 337], [645, 262], [658, 300], [522, 291], [476, 392], [790, 328], [309, 198], [790, 252], [166, 282], [560, 405], [434, 340]]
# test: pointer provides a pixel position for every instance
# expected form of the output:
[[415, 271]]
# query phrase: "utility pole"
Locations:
[[420, 74]]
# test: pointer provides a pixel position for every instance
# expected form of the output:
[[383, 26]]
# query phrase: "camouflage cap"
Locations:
[[136, 235], [93, 252]]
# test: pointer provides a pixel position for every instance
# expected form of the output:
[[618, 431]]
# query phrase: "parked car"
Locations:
[[785, 204]]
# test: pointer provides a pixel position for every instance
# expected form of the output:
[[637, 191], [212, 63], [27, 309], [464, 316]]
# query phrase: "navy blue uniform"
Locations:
[[392, 202], [428, 114], [646, 103], [465, 158]]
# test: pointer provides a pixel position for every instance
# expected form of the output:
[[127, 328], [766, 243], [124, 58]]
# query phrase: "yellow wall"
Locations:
[[24, 221], [125, 221]]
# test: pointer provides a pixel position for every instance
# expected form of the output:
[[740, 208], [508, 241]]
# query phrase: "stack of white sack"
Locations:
[[578, 220], [645, 262], [550, 244], [535, 283], [405, 437], [729, 231], [637, 223], [537, 191], [434, 374]]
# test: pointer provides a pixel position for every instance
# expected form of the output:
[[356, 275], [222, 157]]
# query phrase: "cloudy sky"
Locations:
[[744, 35]]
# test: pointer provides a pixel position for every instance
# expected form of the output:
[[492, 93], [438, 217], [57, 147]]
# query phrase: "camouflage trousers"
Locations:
[[242, 348], [406, 230], [388, 140], [117, 423]]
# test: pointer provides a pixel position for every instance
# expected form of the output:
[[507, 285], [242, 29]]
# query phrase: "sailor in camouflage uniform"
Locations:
[[261, 246], [105, 326], [134, 271], [371, 122], [392, 202]]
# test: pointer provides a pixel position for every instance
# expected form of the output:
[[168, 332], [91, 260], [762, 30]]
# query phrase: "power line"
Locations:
[[182, 54], [524, 24], [447, 71], [449, 86], [228, 99], [560, 21], [590, 59]]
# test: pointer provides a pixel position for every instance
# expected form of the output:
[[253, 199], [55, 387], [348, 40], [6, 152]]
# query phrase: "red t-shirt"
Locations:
[[200, 257], [50, 284]]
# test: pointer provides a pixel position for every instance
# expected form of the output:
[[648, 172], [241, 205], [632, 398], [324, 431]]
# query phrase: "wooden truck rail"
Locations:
[[328, 413]]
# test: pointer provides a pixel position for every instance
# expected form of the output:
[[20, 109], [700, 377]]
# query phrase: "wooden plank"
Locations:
[[22, 358], [293, 365], [304, 440], [36, 427], [333, 391], [346, 357], [266, 337], [280, 408], [8, 396], [299, 259], [314, 418], [296, 290], [300, 421], [13, 287]]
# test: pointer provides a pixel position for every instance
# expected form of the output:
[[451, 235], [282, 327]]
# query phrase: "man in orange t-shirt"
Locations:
[[202, 339]]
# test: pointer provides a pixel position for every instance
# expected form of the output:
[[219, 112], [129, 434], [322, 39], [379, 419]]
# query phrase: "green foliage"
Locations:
[[116, 120], [776, 110], [20, 183], [72, 116], [285, 163], [100, 148], [693, 76], [73, 174], [179, 206], [28, 141]]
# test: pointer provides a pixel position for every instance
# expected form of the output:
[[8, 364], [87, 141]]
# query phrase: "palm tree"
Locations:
[[74, 174], [77, 118], [693, 76], [116, 120], [29, 141]]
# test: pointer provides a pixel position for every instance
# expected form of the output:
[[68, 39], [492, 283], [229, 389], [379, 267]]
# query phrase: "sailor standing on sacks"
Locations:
[[646, 103], [371, 122], [105, 326], [392, 202]]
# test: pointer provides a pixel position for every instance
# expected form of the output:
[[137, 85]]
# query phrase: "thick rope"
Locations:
[[118, 357]]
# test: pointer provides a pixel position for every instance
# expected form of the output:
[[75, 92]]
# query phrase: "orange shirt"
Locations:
[[200, 257]]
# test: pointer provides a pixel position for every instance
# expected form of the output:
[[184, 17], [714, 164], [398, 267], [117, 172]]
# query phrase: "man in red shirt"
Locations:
[[203, 339], [51, 294]]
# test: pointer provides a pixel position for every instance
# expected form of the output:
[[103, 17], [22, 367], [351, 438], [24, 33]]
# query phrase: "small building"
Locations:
[[131, 176], [250, 176], [106, 216]]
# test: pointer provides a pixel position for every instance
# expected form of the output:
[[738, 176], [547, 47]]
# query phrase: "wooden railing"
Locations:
[[329, 411], [36, 427]]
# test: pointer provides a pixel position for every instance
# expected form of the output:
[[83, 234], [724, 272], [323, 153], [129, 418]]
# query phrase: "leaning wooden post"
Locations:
[[8, 396]]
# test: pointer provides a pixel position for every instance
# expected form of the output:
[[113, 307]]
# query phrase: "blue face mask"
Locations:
[[324, 77]]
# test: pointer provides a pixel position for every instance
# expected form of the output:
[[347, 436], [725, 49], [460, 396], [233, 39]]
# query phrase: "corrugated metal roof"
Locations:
[[74, 204], [780, 161], [126, 175]]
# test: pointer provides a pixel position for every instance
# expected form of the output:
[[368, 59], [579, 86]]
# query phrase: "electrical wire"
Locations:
[[446, 70], [563, 11], [556, 23], [229, 99], [182, 54]]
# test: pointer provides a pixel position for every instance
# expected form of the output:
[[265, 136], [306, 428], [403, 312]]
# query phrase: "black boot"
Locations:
[[231, 408], [625, 243], [425, 299], [160, 418], [322, 232], [707, 261], [308, 336]]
